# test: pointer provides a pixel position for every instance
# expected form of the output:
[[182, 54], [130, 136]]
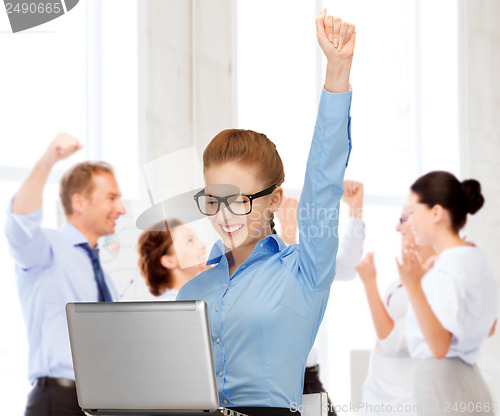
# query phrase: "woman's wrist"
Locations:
[[337, 76], [356, 211], [413, 287], [370, 283]]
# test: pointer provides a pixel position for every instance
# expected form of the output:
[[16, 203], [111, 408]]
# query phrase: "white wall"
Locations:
[[187, 81], [188, 73], [480, 128]]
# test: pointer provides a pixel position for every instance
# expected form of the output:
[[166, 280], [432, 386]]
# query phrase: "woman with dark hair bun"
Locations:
[[473, 198], [170, 257], [453, 304], [457, 198]]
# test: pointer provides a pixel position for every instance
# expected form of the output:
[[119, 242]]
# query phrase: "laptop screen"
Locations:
[[142, 355]]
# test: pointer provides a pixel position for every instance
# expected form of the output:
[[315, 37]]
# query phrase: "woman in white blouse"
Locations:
[[454, 304], [388, 388]]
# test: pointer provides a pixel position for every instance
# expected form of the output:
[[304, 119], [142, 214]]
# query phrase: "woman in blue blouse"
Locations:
[[266, 300]]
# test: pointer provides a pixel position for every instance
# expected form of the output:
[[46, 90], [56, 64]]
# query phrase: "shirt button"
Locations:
[[216, 309], [220, 373], [225, 401], [217, 340], [224, 285], [262, 244], [243, 266]]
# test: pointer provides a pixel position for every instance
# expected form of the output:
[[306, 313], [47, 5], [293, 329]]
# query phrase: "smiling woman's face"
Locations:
[[420, 220], [190, 250], [403, 227], [238, 230]]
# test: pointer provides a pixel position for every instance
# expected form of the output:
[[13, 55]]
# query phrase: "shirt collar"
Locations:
[[72, 234], [271, 243]]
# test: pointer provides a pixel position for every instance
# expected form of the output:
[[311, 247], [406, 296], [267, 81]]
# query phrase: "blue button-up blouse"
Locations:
[[265, 317]]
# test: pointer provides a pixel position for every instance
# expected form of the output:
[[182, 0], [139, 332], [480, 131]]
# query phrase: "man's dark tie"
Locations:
[[104, 295]]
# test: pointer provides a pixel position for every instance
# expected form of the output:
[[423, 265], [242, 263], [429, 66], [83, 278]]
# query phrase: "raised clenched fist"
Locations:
[[63, 146], [335, 36], [366, 269]]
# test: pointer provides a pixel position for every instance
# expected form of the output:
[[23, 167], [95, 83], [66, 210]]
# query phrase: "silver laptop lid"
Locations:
[[142, 355]]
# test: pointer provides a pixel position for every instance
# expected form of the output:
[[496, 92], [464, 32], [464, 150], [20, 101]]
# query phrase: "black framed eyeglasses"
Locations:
[[238, 204]]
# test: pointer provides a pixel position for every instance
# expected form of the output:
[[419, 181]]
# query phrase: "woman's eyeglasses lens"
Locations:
[[237, 204]]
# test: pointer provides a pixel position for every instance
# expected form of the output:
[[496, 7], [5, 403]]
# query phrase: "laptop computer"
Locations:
[[143, 358]]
